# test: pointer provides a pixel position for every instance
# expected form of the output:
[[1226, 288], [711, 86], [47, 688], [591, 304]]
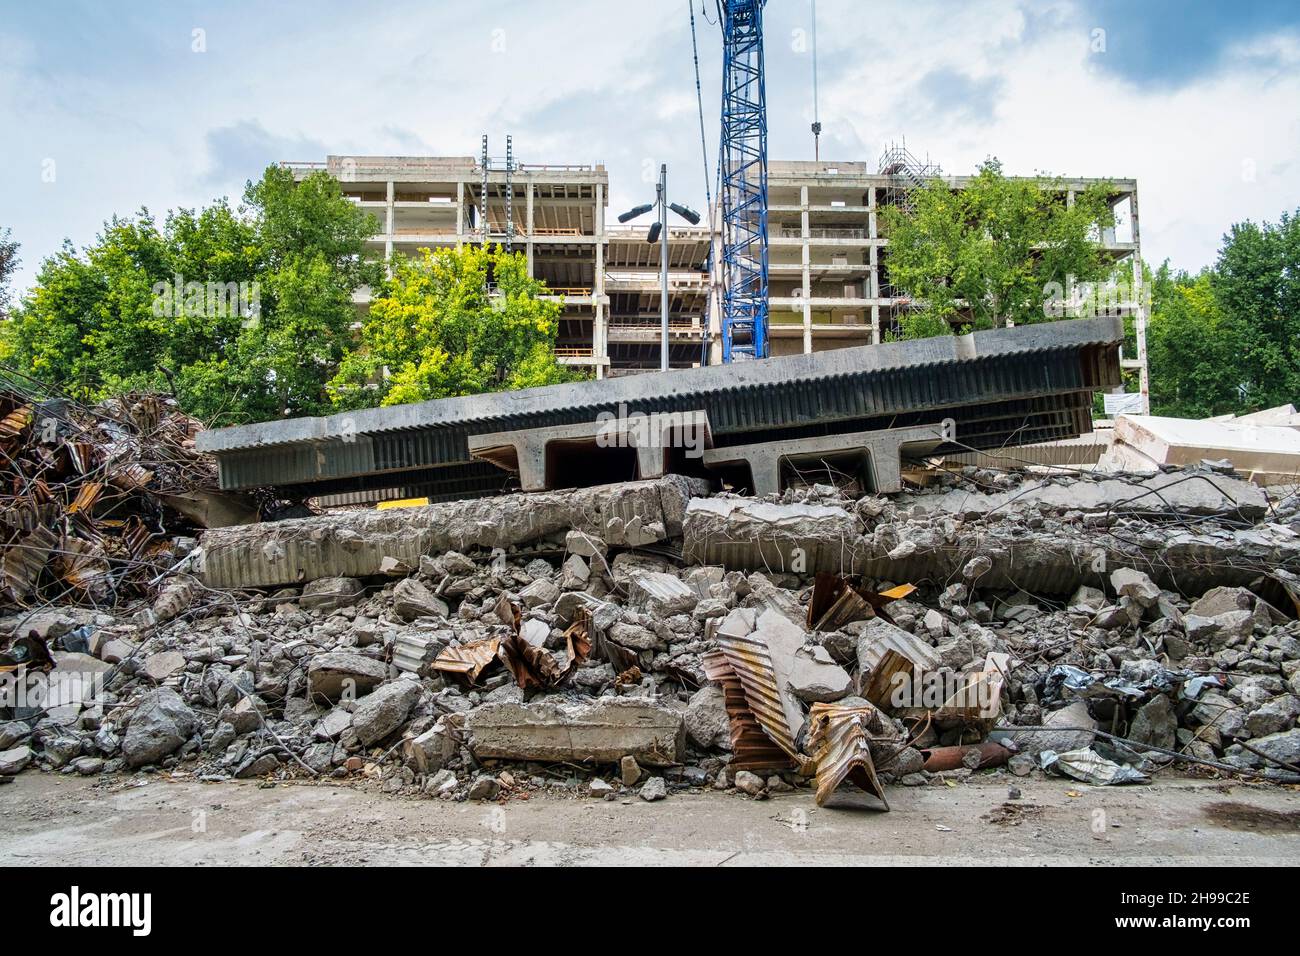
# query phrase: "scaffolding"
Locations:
[[906, 173]]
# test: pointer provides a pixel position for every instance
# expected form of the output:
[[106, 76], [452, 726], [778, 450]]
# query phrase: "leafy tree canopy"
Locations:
[[453, 322], [243, 312], [989, 253], [8, 263], [1228, 339]]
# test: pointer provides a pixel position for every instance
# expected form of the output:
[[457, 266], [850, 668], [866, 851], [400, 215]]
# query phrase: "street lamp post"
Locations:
[[659, 230]]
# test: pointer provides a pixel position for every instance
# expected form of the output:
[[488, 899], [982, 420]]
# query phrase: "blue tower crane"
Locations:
[[743, 169]]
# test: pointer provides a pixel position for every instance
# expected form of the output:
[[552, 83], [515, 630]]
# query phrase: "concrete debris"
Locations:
[[1265, 448], [654, 789], [332, 675], [643, 637], [600, 732], [412, 600]]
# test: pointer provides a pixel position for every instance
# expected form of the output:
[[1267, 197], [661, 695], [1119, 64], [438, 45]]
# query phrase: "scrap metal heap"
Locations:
[[663, 637], [93, 499]]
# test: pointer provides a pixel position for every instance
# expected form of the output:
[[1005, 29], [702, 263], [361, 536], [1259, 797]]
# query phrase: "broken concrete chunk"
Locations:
[[332, 724], [584, 544], [1273, 716], [815, 677], [428, 752], [329, 594], [1156, 723], [660, 593], [160, 724], [575, 573], [707, 724], [1060, 740], [654, 789], [1090, 599], [1134, 584], [412, 600], [1221, 600], [334, 674], [540, 592], [603, 731], [159, 667], [15, 760], [384, 709]]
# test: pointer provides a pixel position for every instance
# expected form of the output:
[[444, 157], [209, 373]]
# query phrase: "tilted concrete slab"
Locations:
[[879, 453], [1268, 454], [1030, 383]]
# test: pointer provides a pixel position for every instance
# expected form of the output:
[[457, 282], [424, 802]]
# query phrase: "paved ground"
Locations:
[[48, 819]]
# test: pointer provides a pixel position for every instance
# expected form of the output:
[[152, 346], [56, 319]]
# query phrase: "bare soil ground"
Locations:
[[47, 819]]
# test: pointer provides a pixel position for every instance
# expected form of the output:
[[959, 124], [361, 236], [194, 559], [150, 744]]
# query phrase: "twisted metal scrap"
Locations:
[[83, 493], [840, 738]]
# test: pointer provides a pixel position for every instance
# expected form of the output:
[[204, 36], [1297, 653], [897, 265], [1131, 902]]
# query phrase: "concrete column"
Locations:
[[528, 184], [715, 286], [873, 263], [390, 226], [1140, 311], [805, 253], [599, 325], [460, 211], [528, 220]]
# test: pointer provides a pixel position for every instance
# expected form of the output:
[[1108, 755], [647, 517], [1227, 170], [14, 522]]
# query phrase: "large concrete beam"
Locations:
[[877, 455], [533, 452], [355, 543]]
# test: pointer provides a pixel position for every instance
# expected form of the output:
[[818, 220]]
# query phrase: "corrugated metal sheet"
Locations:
[[840, 739], [752, 664], [751, 748]]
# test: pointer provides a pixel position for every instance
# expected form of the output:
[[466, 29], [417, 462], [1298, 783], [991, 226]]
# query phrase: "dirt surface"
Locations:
[[47, 819]]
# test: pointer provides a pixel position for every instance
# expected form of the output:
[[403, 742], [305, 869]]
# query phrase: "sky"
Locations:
[[108, 107]]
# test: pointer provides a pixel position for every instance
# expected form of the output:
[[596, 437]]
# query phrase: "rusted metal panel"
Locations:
[[751, 748], [840, 739], [467, 661], [751, 662]]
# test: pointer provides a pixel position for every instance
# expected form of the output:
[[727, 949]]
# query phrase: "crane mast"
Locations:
[[743, 159]]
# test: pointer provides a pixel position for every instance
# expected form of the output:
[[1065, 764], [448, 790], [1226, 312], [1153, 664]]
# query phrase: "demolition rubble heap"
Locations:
[[649, 636]]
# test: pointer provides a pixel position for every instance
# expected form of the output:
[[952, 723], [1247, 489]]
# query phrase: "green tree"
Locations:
[[989, 254], [453, 322], [8, 263], [1194, 348], [1257, 282], [244, 313]]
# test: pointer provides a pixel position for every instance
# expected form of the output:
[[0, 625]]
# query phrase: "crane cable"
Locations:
[[704, 152], [817, 123], [699, 102]]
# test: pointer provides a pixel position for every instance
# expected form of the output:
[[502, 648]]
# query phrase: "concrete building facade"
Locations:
[[828, 260]]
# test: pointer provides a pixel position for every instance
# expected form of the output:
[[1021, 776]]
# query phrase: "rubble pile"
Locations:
[[643, 638], [93, 500]]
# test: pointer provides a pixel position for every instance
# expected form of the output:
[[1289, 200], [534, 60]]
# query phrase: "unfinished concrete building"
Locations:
[[828, 260], [606, 278]]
